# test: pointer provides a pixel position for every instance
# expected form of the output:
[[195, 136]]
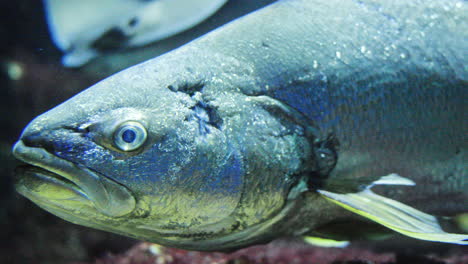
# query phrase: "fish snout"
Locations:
[[53, 138], [34, 139]]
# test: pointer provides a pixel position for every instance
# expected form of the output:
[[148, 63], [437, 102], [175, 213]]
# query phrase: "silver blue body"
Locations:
[[234, 119]]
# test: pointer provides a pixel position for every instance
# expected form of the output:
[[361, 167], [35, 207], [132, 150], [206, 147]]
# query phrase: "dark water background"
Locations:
[[29, 234]]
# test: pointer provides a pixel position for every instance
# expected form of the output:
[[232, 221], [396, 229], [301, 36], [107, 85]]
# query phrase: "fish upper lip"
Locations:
[[35, 157], [109, 197]]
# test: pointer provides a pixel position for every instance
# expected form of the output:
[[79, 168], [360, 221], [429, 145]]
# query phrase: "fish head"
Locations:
[[167, 154]]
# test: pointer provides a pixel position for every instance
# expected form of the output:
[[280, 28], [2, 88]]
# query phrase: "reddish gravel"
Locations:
[[279, 252]]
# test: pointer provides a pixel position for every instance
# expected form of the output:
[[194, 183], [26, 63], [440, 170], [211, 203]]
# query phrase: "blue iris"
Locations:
[[128, 136]]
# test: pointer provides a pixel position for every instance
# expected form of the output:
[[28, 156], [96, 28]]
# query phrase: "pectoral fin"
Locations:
[[393, 214]]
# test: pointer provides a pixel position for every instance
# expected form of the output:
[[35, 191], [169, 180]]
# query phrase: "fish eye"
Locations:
[[130, 136], [133, 22]]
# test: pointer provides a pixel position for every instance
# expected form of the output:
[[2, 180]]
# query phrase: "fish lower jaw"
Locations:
[[51, 174], [38, 179], [46, 185]]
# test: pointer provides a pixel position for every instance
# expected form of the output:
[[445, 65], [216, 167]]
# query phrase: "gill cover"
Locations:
[[393, 214]]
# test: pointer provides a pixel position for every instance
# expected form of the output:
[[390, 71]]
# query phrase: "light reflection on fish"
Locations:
[[84, 28], [277, 124]]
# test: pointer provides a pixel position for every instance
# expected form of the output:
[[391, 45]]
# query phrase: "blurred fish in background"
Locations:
[[83, 29]]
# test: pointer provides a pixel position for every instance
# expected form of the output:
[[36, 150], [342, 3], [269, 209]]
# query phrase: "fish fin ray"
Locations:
[[325, 242], [393, 214]]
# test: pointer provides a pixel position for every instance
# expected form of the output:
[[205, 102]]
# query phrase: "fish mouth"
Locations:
[[45, 186], [49, 179]]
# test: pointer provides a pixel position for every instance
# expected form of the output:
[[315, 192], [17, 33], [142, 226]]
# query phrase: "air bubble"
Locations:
[[338, 55]]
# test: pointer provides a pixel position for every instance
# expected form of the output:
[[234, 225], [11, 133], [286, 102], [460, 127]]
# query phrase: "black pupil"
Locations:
[[128, 136]]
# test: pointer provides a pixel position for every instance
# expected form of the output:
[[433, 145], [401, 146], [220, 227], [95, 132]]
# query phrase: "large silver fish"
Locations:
[[277, 124]]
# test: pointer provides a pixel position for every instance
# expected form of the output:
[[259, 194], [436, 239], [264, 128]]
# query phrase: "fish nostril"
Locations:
[[32, 140], [38, 139]]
